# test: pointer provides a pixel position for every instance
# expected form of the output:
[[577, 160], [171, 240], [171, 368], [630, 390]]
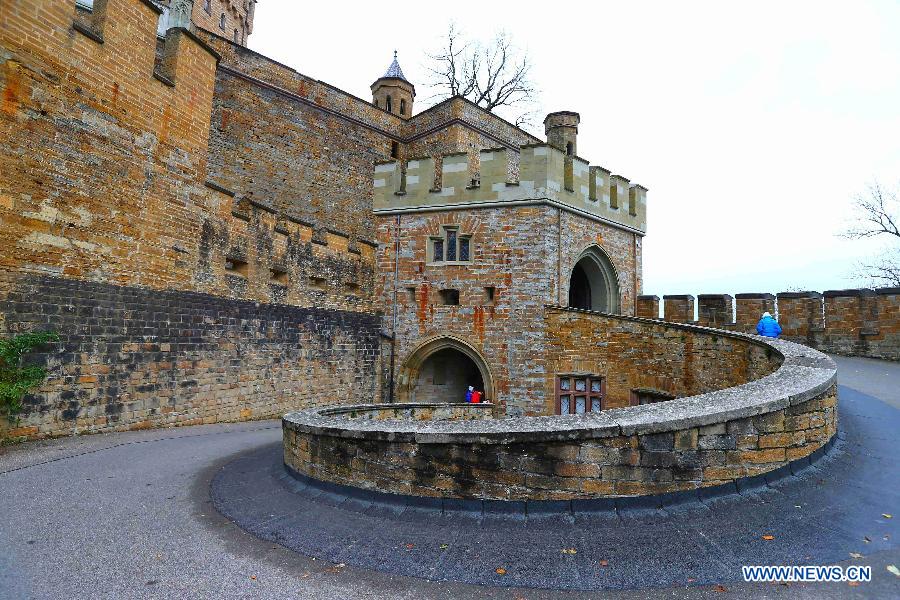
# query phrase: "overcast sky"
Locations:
[[752, 124]]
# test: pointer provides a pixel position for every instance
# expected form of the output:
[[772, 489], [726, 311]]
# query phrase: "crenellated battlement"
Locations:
[[546, 174]]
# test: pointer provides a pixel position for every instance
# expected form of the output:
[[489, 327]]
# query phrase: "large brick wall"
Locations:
[[132, 357], [172, 296]]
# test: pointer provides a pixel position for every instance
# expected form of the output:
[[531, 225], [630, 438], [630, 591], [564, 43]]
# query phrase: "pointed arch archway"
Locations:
[[461, 360], [594, 282]]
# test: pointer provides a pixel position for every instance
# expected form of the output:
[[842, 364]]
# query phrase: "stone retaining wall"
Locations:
[[684, 444]]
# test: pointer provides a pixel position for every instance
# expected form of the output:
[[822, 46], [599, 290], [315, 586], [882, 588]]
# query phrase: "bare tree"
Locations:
[[495, 76], [878, 215]]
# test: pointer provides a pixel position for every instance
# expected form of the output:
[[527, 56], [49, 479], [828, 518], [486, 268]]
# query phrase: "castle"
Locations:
[[217, 237]]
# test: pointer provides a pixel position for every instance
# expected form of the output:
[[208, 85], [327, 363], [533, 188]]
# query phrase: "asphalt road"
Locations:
[[129, 516]]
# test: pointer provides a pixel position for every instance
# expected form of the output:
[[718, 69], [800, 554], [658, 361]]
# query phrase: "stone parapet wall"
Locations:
[[856, 322], [545, 173], [686, 444]]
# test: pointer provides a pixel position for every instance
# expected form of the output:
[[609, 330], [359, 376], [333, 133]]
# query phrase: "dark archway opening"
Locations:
[[580, 289], [594, 283], [445, 376]]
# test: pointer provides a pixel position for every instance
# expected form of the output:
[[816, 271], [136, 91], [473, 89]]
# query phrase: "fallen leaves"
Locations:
[[569, 551], [720, 588], [853, 583], [604, 563], [336, 568], [253, 577], [444, 546], [887, 516], [855, 555], [893, 569], [866, 539], [500, 571], [410, 546], [768, 537]]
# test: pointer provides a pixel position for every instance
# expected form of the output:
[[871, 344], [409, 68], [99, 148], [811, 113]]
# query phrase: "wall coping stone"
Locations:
[[857, 293], [889, 291], [678, 297], [804, 374], [794, 295], [755, 296]]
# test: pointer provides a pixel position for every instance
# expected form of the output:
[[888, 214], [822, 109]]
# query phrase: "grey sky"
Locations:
[[752, 124]]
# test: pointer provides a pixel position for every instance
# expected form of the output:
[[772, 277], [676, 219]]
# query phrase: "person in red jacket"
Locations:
[[476, 397]]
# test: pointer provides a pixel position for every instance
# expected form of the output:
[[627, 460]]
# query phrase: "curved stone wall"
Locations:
[[697, 441]]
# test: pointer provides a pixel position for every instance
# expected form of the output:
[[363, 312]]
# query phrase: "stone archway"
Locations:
[[459, 363], [594, 283]]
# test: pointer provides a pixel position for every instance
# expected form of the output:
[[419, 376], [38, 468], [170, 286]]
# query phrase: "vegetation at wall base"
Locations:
[[17, 380]]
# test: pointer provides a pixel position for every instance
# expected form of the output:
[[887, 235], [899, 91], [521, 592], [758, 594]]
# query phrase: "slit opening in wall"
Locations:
[[489, 293], [279, 276], [411, 295], [352, 288], [395, 150], [449, 297], [318, 283], [236, 266]]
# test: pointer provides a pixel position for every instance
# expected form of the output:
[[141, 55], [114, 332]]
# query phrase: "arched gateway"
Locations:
[[441, 369], [594, 284]]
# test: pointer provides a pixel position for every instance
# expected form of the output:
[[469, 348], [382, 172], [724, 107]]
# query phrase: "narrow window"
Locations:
[[402, 106], [437, 247], [222, 22], [451, 244], [237, 37], [207, 6], [411, 295], [569, 148], [395, 150], [579, 394], [388, 105], [279, 276], [450, 297], [236, 266], [489, 293], [464, 248], [375, 102]]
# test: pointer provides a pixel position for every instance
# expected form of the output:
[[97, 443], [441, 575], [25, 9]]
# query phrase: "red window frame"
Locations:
[[567, 387]]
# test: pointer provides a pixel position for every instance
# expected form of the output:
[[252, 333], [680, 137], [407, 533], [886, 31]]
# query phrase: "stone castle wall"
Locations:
[[177, 300], [860, 322]]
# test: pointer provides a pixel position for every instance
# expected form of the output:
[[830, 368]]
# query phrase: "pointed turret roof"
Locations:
[[394, 71]]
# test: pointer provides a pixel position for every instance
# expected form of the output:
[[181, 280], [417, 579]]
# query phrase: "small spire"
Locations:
[[394, 71]]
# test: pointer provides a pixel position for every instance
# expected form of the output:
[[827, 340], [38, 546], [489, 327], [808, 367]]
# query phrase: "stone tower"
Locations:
[[561, 129], [393, 92]]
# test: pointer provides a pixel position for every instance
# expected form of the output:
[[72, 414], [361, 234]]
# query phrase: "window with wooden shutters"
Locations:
[[579, 394]]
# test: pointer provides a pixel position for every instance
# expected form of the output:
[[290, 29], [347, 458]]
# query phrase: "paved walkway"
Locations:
[[130, 516]]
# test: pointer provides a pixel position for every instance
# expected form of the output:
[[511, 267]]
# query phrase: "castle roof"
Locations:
[[394, 71]]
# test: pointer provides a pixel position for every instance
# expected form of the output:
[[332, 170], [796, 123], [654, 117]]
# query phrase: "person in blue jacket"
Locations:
[[768, 326]]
